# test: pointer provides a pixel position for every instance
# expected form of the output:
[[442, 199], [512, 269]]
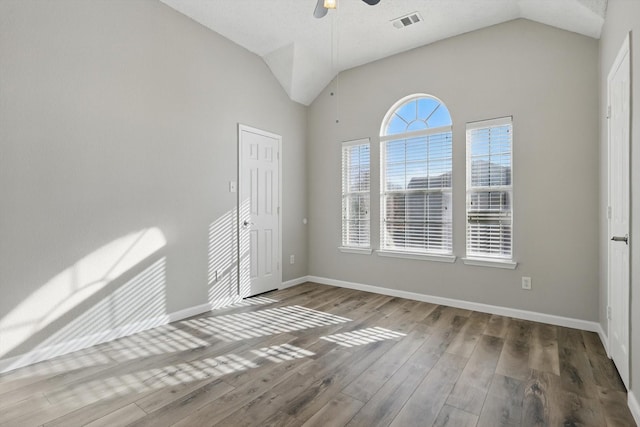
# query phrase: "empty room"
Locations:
[[319, 213]]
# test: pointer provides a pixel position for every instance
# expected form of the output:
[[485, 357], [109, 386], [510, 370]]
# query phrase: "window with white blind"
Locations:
[[416, 165], [490, 189], [356, 161]]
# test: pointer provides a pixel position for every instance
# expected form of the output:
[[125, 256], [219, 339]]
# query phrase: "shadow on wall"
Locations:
[[120, 289], [248, 240], [224, 259], [116, 290], [223, 266]]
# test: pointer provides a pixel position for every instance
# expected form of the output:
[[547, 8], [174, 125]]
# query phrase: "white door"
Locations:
[[259, 211], [618, 85]]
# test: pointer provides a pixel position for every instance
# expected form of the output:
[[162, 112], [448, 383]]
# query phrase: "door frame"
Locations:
[[241, 128], [622, 53]]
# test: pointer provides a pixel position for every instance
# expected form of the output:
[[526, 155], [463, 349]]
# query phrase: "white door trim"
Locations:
[[241, 128], [622, 54]]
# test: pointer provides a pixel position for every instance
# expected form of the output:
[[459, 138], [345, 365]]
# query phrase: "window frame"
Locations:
[[404, 252], [478, 258], [345, 245]]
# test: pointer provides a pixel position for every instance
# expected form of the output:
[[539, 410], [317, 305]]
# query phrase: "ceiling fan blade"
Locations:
[[320, 11], [371, 2]]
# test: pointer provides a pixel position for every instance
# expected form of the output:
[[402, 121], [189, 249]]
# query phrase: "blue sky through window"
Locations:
[[418, 114], [493, 142], [422, 159]]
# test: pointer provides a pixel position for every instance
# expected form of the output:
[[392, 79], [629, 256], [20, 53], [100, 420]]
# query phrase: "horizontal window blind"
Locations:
[[489, 189], [356, 161], [416, 198]]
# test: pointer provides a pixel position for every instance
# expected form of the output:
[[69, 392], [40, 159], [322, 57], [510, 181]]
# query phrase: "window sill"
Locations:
[[412, 255], [361, 251], [494, 263]]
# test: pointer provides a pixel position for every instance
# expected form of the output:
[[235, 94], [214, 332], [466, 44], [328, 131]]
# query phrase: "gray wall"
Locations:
[[547, 79], [622, 17], [118, 116]]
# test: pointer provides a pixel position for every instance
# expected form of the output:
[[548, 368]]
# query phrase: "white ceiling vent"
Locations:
[[405, 21]]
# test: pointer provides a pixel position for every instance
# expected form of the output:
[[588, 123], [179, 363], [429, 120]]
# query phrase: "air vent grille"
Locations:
[[405, 21]]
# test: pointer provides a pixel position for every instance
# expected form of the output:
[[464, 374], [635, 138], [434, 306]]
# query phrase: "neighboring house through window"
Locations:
[[416, 166], [490, 189]]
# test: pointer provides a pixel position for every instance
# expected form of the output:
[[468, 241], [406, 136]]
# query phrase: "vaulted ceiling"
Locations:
[[305, 53]]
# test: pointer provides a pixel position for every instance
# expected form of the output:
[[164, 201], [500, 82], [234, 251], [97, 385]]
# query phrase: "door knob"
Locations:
[[624, 239], [247, 223]]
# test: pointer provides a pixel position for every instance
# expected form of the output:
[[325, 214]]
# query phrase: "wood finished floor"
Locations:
[[315, 355]]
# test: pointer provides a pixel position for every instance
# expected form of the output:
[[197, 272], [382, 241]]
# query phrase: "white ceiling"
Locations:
[[305, 53]]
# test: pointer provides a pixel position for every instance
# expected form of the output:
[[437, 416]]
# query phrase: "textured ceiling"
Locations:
[[305, 53]]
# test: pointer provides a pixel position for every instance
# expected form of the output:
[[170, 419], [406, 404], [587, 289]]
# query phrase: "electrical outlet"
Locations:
[[292, 259], [526, 283]]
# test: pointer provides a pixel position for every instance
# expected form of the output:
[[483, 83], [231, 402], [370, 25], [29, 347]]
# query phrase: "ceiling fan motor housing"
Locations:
[[320, 11]]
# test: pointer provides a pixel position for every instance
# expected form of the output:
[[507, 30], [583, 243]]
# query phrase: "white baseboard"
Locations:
[[634, 407], [468, 305], [51, 351], [604, 338], [191, 311], [294, 282]]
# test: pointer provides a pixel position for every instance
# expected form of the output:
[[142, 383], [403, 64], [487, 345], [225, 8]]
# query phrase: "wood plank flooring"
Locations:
[[315, 355]]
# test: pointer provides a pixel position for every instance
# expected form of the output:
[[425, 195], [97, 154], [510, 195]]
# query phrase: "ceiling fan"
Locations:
[[323, 6]]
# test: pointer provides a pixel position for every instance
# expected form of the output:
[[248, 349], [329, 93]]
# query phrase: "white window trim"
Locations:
[[482, 124], [366, 250], [416, 133], [394, 108], [508, 263], [356, 142], [416, 255], [487, 262], [355, 250], [384, 138]]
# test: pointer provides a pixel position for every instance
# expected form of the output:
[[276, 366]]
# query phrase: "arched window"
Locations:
[[416, 113], [416, 166]]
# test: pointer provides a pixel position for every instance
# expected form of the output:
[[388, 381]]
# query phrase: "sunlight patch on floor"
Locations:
[[282, 353], [363, 336], [241, 326], [162, 340], [149, 380], [247, 302]]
